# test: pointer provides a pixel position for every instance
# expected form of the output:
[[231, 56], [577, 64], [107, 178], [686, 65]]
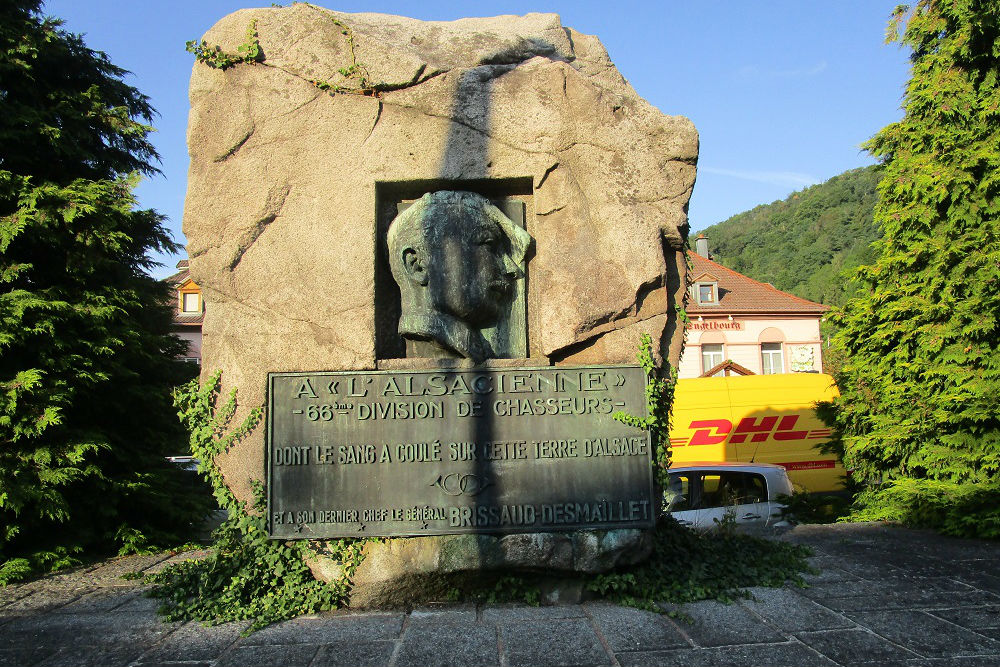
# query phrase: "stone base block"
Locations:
[[404, 571]]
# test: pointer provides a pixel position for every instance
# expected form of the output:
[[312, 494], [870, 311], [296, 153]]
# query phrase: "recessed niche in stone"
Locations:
[[507, 337]]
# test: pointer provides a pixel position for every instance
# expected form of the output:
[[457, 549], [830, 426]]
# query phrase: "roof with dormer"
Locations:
[[178, 281], [741, 294], [182, 275]]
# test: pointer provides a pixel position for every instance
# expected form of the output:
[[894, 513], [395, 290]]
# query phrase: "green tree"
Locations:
[[86, 358], [807, 243], [919, 411]]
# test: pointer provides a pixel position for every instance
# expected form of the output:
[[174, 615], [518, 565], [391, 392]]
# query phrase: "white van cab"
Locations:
[[701, 493]]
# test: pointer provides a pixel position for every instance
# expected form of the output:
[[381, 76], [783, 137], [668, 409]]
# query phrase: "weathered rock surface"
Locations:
[[282, 211], [396, 572]]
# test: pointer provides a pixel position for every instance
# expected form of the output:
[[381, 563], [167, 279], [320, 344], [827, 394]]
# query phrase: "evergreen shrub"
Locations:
[[86, 354], [918, 416]]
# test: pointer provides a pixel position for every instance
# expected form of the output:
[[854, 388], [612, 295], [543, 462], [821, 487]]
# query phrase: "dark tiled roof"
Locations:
[[177, 278], [182, 274], [188, 318], [740, 294]]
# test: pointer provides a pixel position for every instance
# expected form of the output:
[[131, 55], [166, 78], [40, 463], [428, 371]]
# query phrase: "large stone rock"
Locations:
[[295, 161]]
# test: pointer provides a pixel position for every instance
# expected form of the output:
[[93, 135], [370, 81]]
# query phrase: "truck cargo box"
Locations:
[[759, 418]]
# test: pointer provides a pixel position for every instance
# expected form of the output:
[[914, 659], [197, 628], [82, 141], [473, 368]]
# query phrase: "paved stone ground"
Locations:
[[885, 596]]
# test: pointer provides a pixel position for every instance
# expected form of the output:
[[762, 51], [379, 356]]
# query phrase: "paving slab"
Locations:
[[141, 603], [786, 654], [885, 585], [173, 558], [870, 567], [829, 571], [274, 655], [24, 655], [989, 561], [718, 624], [113, 572], [822, 533], [70, 630], [893, 543], [916, 565], [508, 613], [992, 633], [961, 661], [981, 580], [910, 600], [103, 599], [325, 628], [443, 614], [44, 600], [789, 611], [12, 593], [355, 654], [926, 635], [195, 642], [556, 642], [857, 647], [437, 645], [627, 629], [87, 655]]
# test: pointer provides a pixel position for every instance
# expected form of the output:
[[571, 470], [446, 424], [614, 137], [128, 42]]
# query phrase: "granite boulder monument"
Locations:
[[482, 205]]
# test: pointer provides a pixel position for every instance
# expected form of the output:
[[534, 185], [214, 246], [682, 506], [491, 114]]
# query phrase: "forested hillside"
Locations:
[[803, 244]]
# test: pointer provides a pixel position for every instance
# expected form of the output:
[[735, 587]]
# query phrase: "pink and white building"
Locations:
[[740, 325]]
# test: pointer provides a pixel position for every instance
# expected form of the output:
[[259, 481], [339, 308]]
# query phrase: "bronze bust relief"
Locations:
[[457, 260]]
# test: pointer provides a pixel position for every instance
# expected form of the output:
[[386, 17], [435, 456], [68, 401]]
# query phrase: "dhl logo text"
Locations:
[[749, 429]]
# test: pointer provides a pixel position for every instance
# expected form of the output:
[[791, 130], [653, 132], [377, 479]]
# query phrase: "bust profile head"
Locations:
[[456, 258]]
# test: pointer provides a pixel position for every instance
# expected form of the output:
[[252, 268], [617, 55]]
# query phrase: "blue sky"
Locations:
[[782, 92]]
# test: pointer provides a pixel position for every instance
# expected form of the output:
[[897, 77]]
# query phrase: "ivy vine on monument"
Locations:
[[659, 402], [247, 576]]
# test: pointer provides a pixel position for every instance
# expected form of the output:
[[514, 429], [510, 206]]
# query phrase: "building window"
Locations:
[[706, 294], [711, 356], [771, 361], [190, 303]]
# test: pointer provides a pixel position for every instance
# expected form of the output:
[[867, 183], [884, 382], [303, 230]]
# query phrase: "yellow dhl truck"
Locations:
[[759, 418]]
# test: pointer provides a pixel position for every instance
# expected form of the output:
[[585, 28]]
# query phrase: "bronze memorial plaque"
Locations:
[[430, 452]]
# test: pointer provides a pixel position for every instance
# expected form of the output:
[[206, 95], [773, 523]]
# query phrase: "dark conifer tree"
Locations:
[[86, 357]]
